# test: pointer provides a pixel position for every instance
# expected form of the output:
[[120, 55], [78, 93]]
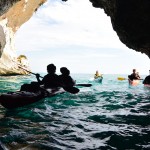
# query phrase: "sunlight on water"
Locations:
[[107, 115]]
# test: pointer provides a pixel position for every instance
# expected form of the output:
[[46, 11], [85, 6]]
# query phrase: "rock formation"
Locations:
[[130, 19], [13, 14]]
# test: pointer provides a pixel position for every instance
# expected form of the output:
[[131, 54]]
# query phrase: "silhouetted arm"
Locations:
[[38, 78]]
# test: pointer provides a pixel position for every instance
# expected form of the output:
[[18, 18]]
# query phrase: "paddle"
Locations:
[[72, 90], [86, 85], [122, 78]]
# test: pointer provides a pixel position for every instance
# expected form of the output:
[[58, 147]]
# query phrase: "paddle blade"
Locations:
[[121, 78], [85, 85], [72, 90]]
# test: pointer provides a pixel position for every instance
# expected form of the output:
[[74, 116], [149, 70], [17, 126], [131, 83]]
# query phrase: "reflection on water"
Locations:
[[111, 115]]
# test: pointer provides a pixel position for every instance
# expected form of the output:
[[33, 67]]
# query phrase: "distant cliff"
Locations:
[[14, 13], [130, 19]]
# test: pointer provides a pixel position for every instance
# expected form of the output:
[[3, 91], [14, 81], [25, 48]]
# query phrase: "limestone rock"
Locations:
[[13, 13]]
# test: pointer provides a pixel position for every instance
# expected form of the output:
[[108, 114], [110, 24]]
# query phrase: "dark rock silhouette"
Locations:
[[131, 21]]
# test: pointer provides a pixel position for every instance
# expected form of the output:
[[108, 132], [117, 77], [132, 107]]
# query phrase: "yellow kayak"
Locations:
[[121, 78]]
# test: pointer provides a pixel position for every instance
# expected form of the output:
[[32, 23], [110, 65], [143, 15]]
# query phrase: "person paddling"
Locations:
[[97, 75], [134, 75], [51, 80], [65, 77]]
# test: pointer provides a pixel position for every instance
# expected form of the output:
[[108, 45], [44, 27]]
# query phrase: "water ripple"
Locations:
[[107, 116]]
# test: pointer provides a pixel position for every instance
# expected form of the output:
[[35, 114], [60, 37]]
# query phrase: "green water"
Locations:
[[108, 115]]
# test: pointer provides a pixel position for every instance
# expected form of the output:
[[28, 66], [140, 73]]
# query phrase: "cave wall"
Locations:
[[2, 40], [13, 15], [131, 21], [5, 5]]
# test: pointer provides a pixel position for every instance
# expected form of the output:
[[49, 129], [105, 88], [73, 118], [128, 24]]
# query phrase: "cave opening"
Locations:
[[74, 34]]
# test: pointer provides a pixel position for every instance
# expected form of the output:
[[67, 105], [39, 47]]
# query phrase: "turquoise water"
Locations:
[[108, 115]]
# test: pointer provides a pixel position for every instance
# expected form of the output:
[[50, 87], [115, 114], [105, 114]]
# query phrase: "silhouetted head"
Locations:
[[134, 70], [64, 71], [51, 68]]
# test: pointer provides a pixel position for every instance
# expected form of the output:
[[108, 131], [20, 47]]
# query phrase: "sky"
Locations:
[[76, 35]]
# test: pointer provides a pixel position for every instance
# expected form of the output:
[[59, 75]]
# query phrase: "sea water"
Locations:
[[105, 116]]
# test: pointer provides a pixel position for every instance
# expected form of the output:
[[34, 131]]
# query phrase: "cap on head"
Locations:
[[64, 71], [51, 68]]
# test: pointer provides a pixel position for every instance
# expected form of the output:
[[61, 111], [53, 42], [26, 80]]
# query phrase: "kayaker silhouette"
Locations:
[[147, 79], [134, 75], [65, 77], [51, 80]]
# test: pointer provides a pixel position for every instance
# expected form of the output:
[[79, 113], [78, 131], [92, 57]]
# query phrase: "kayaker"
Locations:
[[51, 80], [147, 79], [134, 76], [97, 75], [65, 77]]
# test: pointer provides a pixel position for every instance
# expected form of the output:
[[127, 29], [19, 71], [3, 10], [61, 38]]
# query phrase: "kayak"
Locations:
[[133, 82], [121, 78], [17, 99], [98, 79], [147, 85]]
